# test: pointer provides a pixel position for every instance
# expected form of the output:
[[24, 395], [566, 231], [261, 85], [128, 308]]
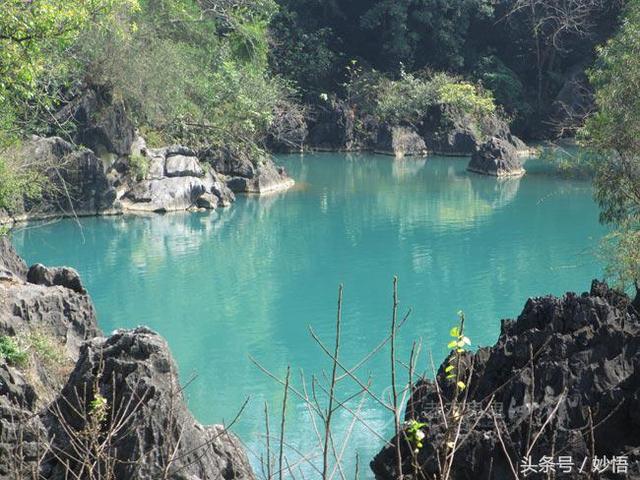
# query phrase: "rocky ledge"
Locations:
[[563, 380], [71, 398]]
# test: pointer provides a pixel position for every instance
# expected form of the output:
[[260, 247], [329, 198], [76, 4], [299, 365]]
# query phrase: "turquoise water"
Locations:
[[249, 280]]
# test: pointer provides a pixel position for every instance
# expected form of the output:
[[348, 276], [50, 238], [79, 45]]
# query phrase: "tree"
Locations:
[[614, 133], [554, 28], [31, 34]]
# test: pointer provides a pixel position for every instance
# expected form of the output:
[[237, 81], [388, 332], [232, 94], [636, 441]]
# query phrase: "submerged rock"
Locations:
[[574, 360], [498, 158]]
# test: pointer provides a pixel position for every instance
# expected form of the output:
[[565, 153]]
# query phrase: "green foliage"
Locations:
[[18, 181], [613, 133], [415, 435], [467, 99], [188, 75], [139, 166], [11, 352], [44, 346], [504, 83], [98, 409], [457, 346], [409, 98], [621, 252], [32, 36]]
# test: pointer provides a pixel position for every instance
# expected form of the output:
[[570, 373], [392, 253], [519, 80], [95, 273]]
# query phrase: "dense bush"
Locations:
[[17, 181], [408, 99]]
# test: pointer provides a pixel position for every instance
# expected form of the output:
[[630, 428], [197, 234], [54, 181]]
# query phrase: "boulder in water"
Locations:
[[496, 157]]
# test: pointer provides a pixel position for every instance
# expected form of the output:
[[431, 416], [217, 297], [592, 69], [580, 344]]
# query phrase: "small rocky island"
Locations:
[[497, 158]]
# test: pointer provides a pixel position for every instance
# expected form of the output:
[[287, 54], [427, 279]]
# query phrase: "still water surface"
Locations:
[[250, 280]]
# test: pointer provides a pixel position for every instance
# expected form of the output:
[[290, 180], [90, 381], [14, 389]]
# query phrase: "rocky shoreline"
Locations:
[[82, 400], [337, 127], [115, 173]]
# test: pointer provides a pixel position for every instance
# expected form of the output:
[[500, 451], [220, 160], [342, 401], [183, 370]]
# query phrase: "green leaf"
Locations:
[[455, 332], [461, 385], [449, 368], [452, 344]]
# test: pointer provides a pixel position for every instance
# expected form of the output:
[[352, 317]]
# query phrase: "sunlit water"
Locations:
[[250, 280]]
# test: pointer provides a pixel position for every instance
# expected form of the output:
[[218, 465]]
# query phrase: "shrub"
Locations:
[[408, 99], [11, 351], [17, 181], [138, 166]]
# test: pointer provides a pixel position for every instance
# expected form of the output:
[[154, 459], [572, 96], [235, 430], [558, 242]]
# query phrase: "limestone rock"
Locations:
[[76, 180], [586, 351], [134, 368], [269, 178], [183, 166], [51, 276], [399, 141], [103, 123], [498, 158]]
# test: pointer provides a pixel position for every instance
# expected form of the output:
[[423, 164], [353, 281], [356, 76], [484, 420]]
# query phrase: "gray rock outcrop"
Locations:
[[66, 277], [244, 175], [166, 441], [74, 181], [176, 180], [103, 124], [332, 126], [573, 361], [496, 157]]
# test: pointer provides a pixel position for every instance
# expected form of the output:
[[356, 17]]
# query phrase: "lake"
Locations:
[[251, 279]]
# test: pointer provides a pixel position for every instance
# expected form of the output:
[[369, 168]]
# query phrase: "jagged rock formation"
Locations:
[[576, 357], [136, 364], [338, 126], [498, 158], [103, 124], [75, 182], [332, 126], [46, 412]]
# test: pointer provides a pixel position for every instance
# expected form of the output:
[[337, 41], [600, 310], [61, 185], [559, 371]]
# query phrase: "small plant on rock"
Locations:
[[11, 352], [415, 434], [457, 346]]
